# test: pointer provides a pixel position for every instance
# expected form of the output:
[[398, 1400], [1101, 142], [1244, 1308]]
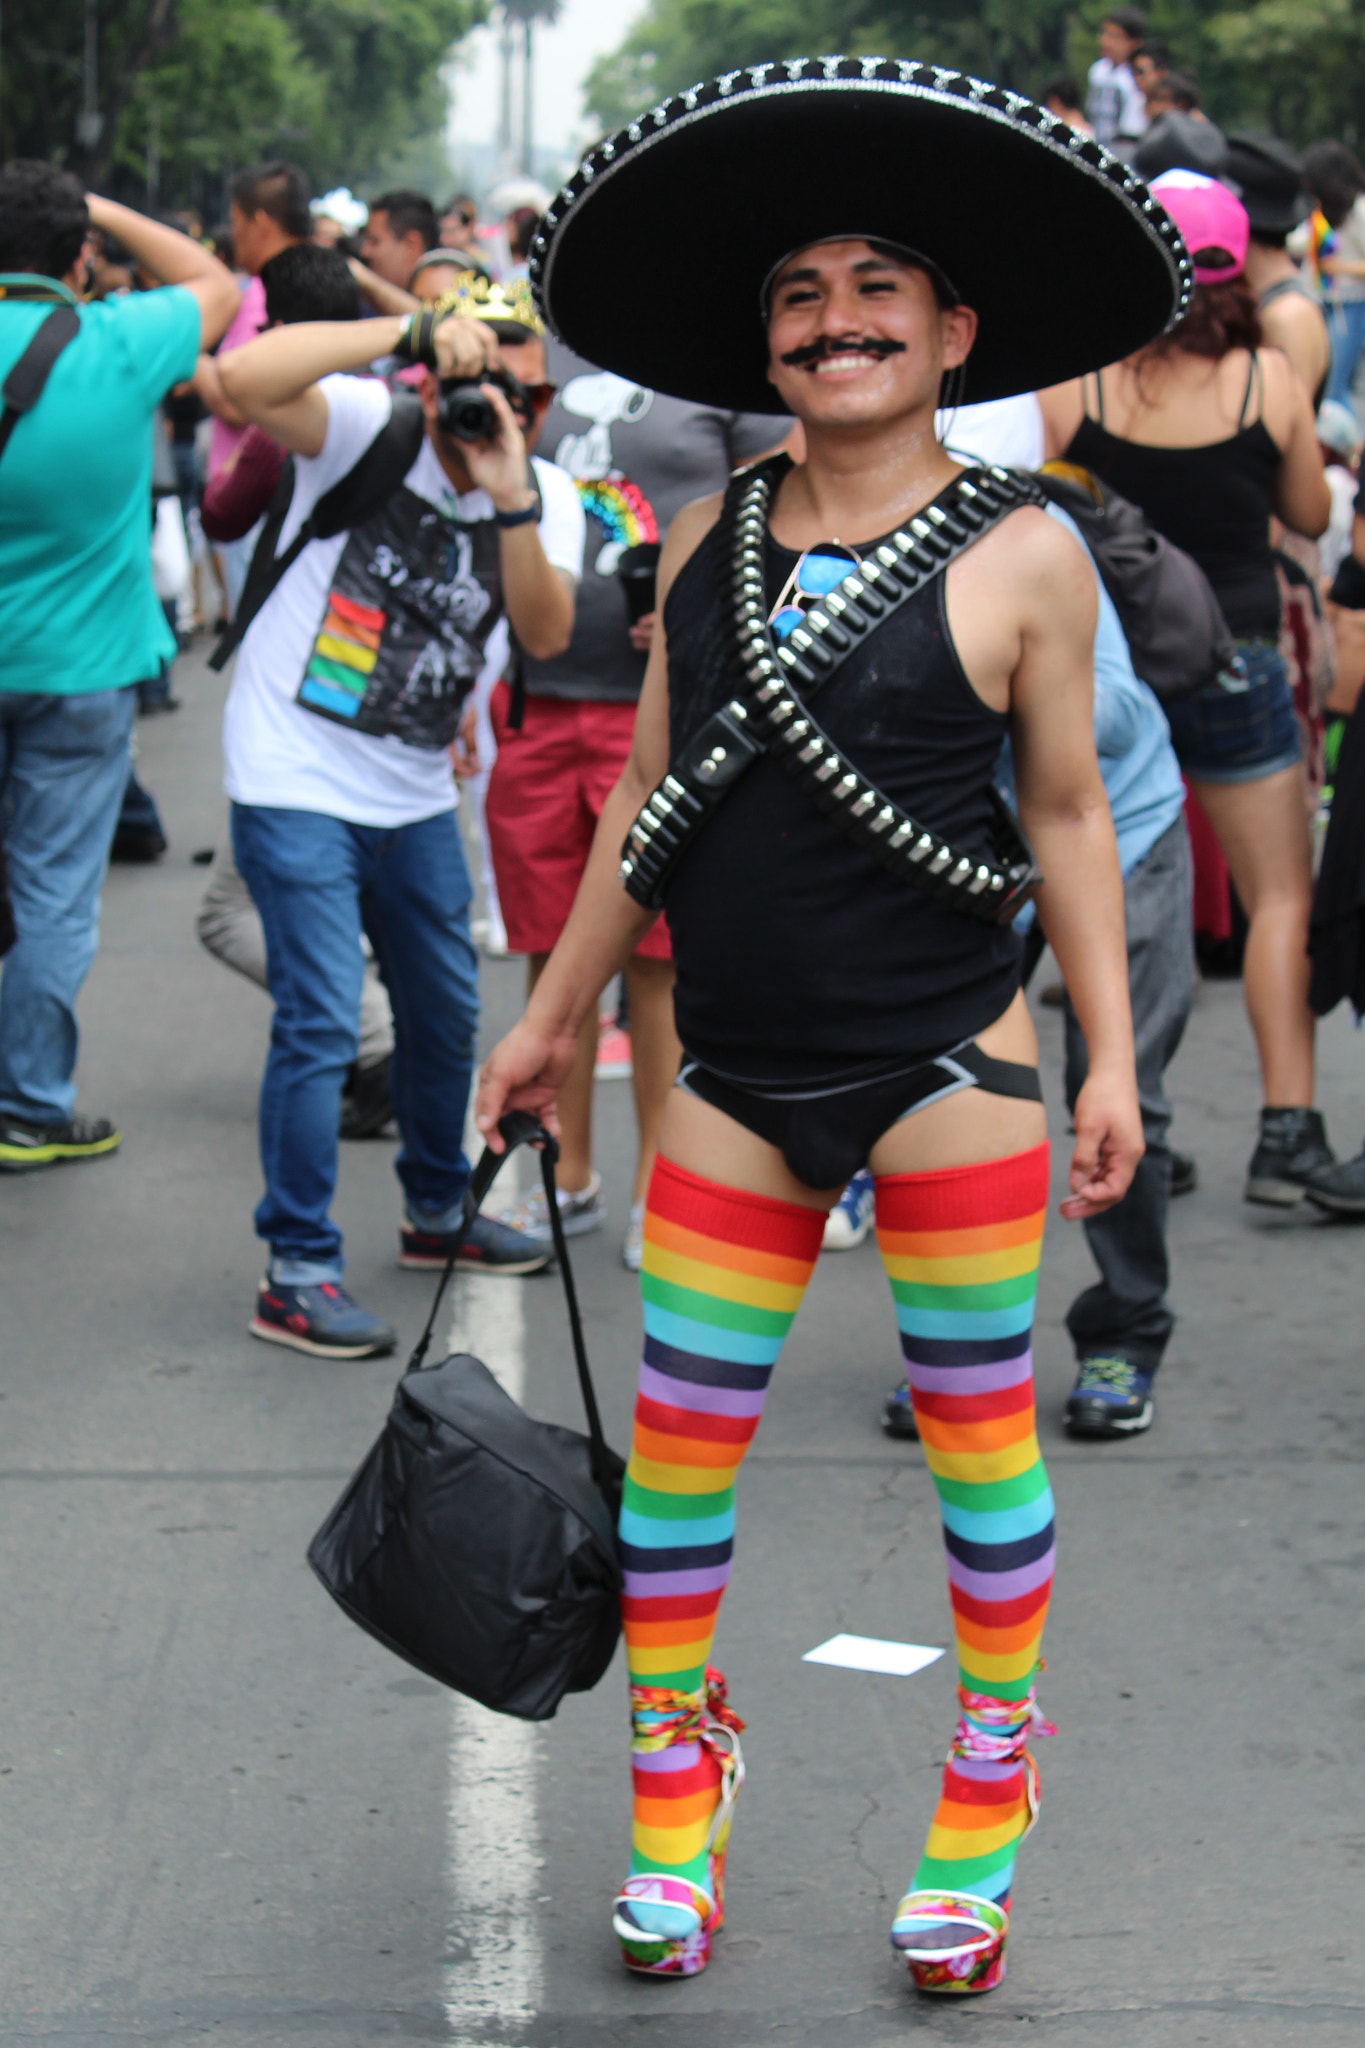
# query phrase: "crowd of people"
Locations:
[[448, 552]]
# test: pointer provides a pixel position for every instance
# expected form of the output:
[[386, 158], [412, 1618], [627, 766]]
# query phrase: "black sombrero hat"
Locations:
[[650, 260]]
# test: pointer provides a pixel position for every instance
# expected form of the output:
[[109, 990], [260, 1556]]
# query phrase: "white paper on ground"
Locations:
[[869, 1653]]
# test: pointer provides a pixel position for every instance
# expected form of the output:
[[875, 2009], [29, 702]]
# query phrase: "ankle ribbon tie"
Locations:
[[997, 1732], [661, 1717]]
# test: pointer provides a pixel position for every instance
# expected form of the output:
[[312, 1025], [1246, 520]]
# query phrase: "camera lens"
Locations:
[[464, 412]]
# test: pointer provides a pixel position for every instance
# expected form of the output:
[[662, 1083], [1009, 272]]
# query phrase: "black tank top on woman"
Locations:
[[799, 957], [1215, 501]]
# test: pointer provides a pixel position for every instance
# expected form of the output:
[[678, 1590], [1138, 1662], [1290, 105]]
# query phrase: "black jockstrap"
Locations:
[[825, 1133]]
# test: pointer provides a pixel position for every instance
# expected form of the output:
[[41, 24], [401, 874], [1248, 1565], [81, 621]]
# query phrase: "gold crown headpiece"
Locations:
[[478, 298]]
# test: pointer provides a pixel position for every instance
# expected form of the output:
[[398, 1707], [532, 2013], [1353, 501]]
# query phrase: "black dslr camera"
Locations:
[[466, 415]]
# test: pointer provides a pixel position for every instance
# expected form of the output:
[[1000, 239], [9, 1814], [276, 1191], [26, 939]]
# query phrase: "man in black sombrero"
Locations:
[[844, 644]]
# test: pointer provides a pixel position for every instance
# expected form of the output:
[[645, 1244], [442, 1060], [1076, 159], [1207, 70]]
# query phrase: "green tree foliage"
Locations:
[[205, 86], [1289, 66], [378, 61], [230, 86], [1296, 67]]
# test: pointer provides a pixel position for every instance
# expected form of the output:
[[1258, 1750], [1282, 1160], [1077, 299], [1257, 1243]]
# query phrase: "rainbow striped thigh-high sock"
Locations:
[[961, 1251], [722, 1276]]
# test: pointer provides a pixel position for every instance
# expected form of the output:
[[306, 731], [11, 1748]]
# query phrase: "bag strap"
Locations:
[[24, 385], [767, 714], [351, 500], [519, 1127]]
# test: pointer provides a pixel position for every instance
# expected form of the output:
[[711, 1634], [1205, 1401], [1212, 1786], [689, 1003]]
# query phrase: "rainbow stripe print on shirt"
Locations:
[[620, 508], [343, 657]]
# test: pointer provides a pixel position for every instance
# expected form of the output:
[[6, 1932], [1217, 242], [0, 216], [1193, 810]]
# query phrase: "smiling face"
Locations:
[[857, 337]]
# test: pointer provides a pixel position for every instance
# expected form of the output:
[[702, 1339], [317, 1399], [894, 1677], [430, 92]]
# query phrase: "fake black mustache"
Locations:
[[815, 351]]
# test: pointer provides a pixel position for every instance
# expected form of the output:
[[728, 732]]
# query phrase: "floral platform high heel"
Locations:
[[955, 1940], [664, 1924]]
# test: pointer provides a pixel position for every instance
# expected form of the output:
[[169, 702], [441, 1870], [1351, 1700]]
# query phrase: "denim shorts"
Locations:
[[1239, 735]]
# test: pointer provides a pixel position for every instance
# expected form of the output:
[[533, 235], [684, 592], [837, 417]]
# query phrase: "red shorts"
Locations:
[[545, 795]]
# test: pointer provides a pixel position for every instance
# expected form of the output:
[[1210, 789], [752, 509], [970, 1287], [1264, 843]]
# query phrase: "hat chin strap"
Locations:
[[915, 257]]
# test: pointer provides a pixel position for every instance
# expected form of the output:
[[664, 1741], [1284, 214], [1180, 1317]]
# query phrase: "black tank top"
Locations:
[[798, 956], [1214, 501]]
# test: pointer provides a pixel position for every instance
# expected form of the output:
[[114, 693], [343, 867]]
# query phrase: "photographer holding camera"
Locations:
[[80, 621], [402, 531]]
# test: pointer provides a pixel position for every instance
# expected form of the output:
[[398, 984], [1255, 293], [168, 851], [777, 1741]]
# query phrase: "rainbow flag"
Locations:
[[1322, 241]]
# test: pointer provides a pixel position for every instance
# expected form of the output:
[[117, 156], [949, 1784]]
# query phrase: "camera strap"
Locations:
[[23, 387], [771, 711], [351, 500]]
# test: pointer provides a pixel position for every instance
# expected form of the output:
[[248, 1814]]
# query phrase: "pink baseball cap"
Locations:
[[1213, 223]]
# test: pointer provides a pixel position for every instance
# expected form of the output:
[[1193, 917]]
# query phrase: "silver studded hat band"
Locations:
[[772, 711], [1059, 248]]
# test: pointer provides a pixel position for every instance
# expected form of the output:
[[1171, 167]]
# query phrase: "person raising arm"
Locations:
[[172, 258], [275, 383]]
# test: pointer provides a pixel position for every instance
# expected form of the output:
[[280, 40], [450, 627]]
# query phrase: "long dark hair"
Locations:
[[1334, 177], [1221, 317]]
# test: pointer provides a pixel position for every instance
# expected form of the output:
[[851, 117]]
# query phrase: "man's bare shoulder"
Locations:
[[1033, 557], [690, 527]]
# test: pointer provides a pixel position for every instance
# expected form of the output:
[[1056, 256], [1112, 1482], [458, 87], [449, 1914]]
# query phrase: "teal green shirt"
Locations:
[[78, 610]]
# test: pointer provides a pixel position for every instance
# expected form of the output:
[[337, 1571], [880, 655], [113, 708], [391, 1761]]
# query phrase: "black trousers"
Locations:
[[1127, 1313]]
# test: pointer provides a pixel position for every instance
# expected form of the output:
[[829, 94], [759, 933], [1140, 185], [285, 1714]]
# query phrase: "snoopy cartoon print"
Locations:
[[606, 400]]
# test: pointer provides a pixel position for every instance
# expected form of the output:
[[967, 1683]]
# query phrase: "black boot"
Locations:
[[1293, 1146], [366, 1105], [1340, 1188]]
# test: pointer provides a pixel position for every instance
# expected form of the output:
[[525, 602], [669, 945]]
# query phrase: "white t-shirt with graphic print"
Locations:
[[279, 754]]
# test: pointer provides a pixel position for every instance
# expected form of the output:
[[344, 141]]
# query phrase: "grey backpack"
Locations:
[[1177, 635]]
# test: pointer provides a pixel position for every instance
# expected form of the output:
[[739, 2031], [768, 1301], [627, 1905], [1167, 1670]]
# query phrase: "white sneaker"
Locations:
[[633, 1249], [850, 1219], [578, 1212]]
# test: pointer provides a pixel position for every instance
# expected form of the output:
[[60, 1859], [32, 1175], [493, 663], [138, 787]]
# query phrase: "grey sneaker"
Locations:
[[579, 1212]]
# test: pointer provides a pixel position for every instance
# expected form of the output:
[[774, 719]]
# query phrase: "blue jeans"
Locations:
[[63, 770], [1238, 735], [1346, 324], [317, 883]]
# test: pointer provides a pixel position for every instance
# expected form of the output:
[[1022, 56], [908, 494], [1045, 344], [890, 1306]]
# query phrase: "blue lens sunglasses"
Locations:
[[818, 571]]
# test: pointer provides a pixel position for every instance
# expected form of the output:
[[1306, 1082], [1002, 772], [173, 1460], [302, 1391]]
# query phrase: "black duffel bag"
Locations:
[[473, 1541]]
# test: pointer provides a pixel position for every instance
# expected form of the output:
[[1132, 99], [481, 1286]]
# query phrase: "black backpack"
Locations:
[[363, 489], [1177, 636]]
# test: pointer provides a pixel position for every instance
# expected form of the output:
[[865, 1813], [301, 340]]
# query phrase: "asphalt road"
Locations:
[[227, 1816]]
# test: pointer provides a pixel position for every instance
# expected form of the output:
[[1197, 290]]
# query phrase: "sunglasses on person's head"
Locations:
[[818, 571]]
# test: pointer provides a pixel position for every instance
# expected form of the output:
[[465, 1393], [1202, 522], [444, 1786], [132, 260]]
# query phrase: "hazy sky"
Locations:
[[563, 56]]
